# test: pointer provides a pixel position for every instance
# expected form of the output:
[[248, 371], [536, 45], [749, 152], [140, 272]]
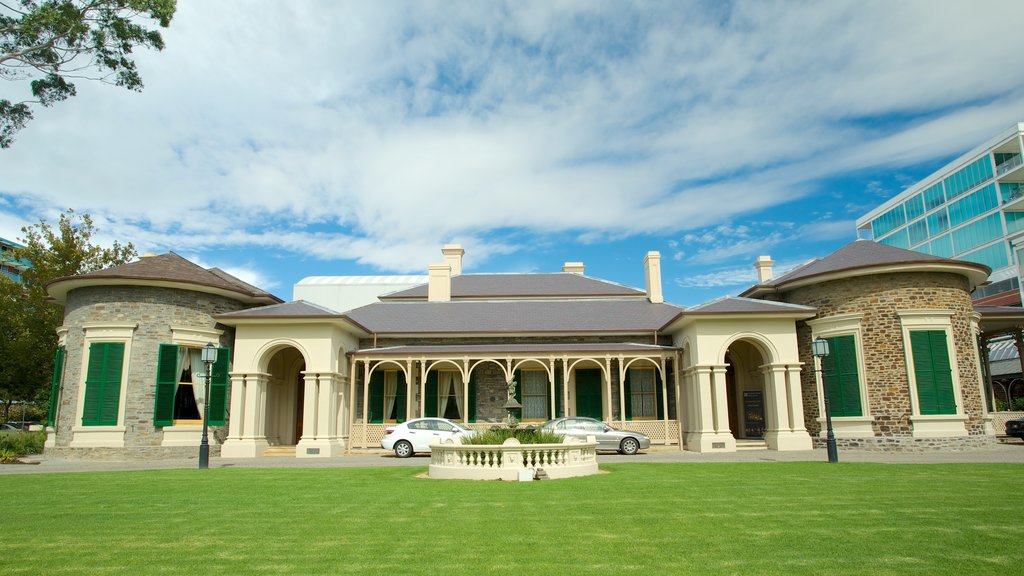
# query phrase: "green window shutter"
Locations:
[[472, 398], [376, 405], [55, 384], [430, 395], [933, 372], [218, 401], [547, 395], [839, 369], [658, 395], [559, 410], [400, 396], [166, 385], [519, 386], [628, 391], [103, 384]]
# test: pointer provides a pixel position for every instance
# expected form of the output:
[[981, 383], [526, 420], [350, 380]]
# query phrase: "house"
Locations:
[[738, 371]]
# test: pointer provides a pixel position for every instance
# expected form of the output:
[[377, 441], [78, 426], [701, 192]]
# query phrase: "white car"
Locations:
[[417, 435]]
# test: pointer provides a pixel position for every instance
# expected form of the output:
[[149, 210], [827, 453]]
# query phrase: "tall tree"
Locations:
[[28, 339], [50, 42]]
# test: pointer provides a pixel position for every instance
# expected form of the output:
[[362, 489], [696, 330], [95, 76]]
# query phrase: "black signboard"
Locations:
[[753, 411]]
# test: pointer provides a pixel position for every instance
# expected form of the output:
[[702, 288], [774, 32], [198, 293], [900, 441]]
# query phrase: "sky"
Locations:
[[279, 140]]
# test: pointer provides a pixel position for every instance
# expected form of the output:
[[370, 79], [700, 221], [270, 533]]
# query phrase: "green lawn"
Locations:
[[763, 518]]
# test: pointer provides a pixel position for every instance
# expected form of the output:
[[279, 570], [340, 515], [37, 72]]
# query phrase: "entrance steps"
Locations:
[[280, 451], [742, 444]]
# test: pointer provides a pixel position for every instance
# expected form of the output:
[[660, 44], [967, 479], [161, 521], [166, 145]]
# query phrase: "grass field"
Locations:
[[763, 518]]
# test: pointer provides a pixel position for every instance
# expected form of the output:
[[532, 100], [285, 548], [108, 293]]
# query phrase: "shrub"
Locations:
[[8, 456], [498, 435], [23, 443]]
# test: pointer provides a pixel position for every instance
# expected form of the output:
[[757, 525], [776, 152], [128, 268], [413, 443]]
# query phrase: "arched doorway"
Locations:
[[285, 397], [745, 390]]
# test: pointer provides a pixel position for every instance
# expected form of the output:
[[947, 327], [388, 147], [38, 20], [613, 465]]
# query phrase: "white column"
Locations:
[[410, 387], [664, 399], [709, 427], [786, 407], [622, 390], [249, 402], [607, 400], [326, 405], [565, 386]]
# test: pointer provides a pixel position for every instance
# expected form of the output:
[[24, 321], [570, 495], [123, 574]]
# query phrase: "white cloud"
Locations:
[[376, 131]]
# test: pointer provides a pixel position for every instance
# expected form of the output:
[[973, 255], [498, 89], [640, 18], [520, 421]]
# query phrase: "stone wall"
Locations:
[[155, 310], [878, 298]]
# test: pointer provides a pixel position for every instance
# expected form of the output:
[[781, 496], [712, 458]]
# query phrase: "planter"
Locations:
[[454, 460]]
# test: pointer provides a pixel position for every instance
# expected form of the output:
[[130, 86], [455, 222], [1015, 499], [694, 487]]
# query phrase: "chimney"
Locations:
[[439, 283], [764, 268], [573, 268], [652, 270], [453, 257]]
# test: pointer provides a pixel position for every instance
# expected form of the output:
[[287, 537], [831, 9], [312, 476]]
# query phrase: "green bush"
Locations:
[[8, 456], [23, 443], [1016, 406], [498, 435]]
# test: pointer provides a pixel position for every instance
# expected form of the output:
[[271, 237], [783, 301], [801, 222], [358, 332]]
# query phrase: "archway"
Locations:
[[745, 390], [285, 389]]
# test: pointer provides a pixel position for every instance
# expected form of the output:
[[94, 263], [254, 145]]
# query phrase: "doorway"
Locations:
[[588, 393]]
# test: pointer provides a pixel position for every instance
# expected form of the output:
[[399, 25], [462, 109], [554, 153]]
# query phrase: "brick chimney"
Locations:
[[652, 272], [764, 268]]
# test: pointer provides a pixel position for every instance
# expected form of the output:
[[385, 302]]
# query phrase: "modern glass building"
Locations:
[[970, 209]]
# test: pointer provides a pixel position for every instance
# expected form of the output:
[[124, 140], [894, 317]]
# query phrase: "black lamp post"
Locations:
[[820, 350], [209, 358]]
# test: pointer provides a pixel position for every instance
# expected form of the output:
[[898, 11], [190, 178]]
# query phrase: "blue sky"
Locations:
[[279, 140]]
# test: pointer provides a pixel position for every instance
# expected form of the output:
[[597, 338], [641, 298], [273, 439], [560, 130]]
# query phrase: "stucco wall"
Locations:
[[154, 310], [878, 298]]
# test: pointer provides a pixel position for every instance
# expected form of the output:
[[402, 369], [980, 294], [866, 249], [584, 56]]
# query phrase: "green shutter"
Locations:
[[55, 384], [430, 395], [472, 398], [400, 396], [518, 376], [166, 385], [933, 372], [376, 400], [627, 390], [659, 394], [103, 384], [218, 400], [839, 369], [559, 410]]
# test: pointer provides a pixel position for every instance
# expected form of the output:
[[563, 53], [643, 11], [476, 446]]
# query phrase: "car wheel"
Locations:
[[403, 449], [629, 446]]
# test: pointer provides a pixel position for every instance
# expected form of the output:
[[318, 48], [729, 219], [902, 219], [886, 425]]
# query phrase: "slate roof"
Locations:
[[861, 254], [538, 285], [168, 267], [736, 305], [516, 348], [296, 309], [597, 315]]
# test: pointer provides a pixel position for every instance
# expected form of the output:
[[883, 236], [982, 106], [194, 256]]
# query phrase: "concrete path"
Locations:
[[1008, 453]]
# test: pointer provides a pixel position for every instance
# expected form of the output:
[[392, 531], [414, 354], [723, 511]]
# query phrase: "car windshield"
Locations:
[[461, 427]]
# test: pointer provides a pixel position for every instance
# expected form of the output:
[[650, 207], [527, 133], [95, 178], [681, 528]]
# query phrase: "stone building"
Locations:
[[737, 371]]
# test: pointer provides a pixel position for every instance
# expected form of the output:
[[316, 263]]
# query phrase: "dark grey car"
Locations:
[[608, 438]]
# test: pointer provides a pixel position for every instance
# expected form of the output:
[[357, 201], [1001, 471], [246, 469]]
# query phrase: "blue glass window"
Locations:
[[888, 222], [968, 177], [993, 256], [938, 222], [977, 233], [898, 239], [934, 197], [942, 246], [1014, 221], [974, 205], [918, 232], [914, 207]]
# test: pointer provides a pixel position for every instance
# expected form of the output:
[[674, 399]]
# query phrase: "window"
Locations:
[[387, 397], [180, 386], [443, 396], [913, 207], [641, 394], [534, 394], [55, 385], [839, 370], [103, 384], [932, 372]]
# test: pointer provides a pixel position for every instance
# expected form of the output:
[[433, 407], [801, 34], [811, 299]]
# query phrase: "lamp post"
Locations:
[[209, 358], [819, 348]]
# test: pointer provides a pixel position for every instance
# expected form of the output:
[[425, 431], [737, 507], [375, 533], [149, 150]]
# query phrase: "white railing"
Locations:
[[507, 461], [999, 420], [665, 432], [1009, 165]]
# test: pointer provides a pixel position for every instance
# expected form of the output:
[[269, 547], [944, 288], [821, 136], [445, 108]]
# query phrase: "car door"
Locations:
[[420, 434], [600, 432], [444, 431]]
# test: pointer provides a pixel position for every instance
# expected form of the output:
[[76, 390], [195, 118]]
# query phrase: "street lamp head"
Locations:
[[209, 353], [819, 348]]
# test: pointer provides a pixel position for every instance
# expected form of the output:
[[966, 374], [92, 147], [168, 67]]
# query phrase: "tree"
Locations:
[[28, 338], [51, 42]]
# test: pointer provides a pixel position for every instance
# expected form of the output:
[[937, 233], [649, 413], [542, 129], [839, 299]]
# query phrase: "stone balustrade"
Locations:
[[454, 460]]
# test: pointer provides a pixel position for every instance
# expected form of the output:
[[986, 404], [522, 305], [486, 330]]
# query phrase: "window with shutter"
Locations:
[[218, 401], [932, 372], [534, 385], [840, 374], [55, 385], [641, 397], [103, 384]]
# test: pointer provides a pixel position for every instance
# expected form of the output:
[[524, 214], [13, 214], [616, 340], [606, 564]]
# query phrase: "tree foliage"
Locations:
[[28, 339], [52, 42]]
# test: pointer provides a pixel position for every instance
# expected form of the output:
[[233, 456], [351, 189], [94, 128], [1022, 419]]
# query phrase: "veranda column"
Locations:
[[565, 386], [410, 381], [553, 394], [796, 399], [326, 442], [721, 400], [366, 401], [251, 397], [622, 391], [664, 399], [310, 393], [607, 389], [781, 433], [681, 406], [423, 387]]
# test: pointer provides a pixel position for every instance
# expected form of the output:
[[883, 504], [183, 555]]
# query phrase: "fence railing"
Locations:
[[507, 461]]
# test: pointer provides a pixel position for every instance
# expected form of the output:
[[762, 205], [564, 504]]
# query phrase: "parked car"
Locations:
[[417, 435], [608, 438], [1015, 428], [7, 427]]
